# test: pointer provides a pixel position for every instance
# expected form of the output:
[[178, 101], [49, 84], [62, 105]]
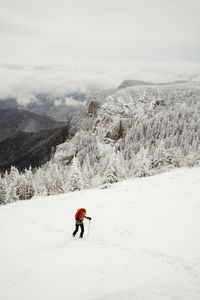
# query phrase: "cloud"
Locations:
[[58, 102], [71, 102], [25, 100], [24, 83], [68, 101]]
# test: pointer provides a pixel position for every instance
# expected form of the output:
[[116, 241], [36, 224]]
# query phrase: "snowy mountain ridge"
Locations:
[[121, 112], [135, 103], [117, 134], [129, 83]]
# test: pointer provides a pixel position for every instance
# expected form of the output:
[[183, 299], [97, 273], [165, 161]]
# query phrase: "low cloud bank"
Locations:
[[24, 82]]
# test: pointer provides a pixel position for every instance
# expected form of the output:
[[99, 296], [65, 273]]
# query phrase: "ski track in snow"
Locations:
[[143, 243]]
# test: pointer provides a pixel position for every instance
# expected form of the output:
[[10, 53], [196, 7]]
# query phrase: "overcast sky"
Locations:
[[99, 34]]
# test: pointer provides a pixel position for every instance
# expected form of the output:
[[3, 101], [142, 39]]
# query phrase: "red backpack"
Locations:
[[79, 213]]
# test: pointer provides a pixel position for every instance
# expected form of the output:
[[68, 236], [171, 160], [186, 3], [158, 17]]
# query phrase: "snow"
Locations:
[[143, 243]]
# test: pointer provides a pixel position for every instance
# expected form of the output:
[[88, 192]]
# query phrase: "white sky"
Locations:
[[96, 33]]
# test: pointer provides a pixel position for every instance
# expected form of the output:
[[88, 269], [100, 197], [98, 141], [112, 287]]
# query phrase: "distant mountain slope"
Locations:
[[25, 149], [57, 107], [13, 120], [129, 83]]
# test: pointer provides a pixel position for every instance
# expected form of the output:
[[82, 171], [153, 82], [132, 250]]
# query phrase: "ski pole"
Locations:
[[89, 227]]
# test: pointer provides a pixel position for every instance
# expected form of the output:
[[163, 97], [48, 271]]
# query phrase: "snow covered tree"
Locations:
[[190, 159], [12, 180], [121, 165], [53, 178], [110, 175], [142, 163], [65, 176], [25, 187], [87, 173], [3, 191], [166, 157], [39, 183], [75, 182], [21, 188], [28, 184]]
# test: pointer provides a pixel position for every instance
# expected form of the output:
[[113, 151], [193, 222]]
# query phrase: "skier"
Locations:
[[79, 217]]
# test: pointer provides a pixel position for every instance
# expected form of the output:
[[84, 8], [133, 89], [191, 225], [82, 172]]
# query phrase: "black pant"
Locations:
[[76, 230]]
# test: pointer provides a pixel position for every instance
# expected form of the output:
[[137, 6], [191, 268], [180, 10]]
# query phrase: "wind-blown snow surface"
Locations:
[[143, 243]]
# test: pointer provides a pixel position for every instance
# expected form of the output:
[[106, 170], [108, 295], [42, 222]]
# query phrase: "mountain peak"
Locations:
[[130, 83]]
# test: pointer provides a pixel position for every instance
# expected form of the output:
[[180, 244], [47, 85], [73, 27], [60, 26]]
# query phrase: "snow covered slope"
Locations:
[[143, 243]]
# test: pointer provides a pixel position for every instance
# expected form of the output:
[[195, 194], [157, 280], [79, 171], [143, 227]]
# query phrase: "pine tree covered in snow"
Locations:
[[3, 191], [75, 182], [27, 185], [111, 170], [87, 172], [54, 180], [12, 181], [40, 182], [142, 163]]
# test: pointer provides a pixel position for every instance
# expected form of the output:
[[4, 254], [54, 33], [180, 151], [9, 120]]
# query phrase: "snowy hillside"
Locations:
[[136, 131], [143, 243]]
